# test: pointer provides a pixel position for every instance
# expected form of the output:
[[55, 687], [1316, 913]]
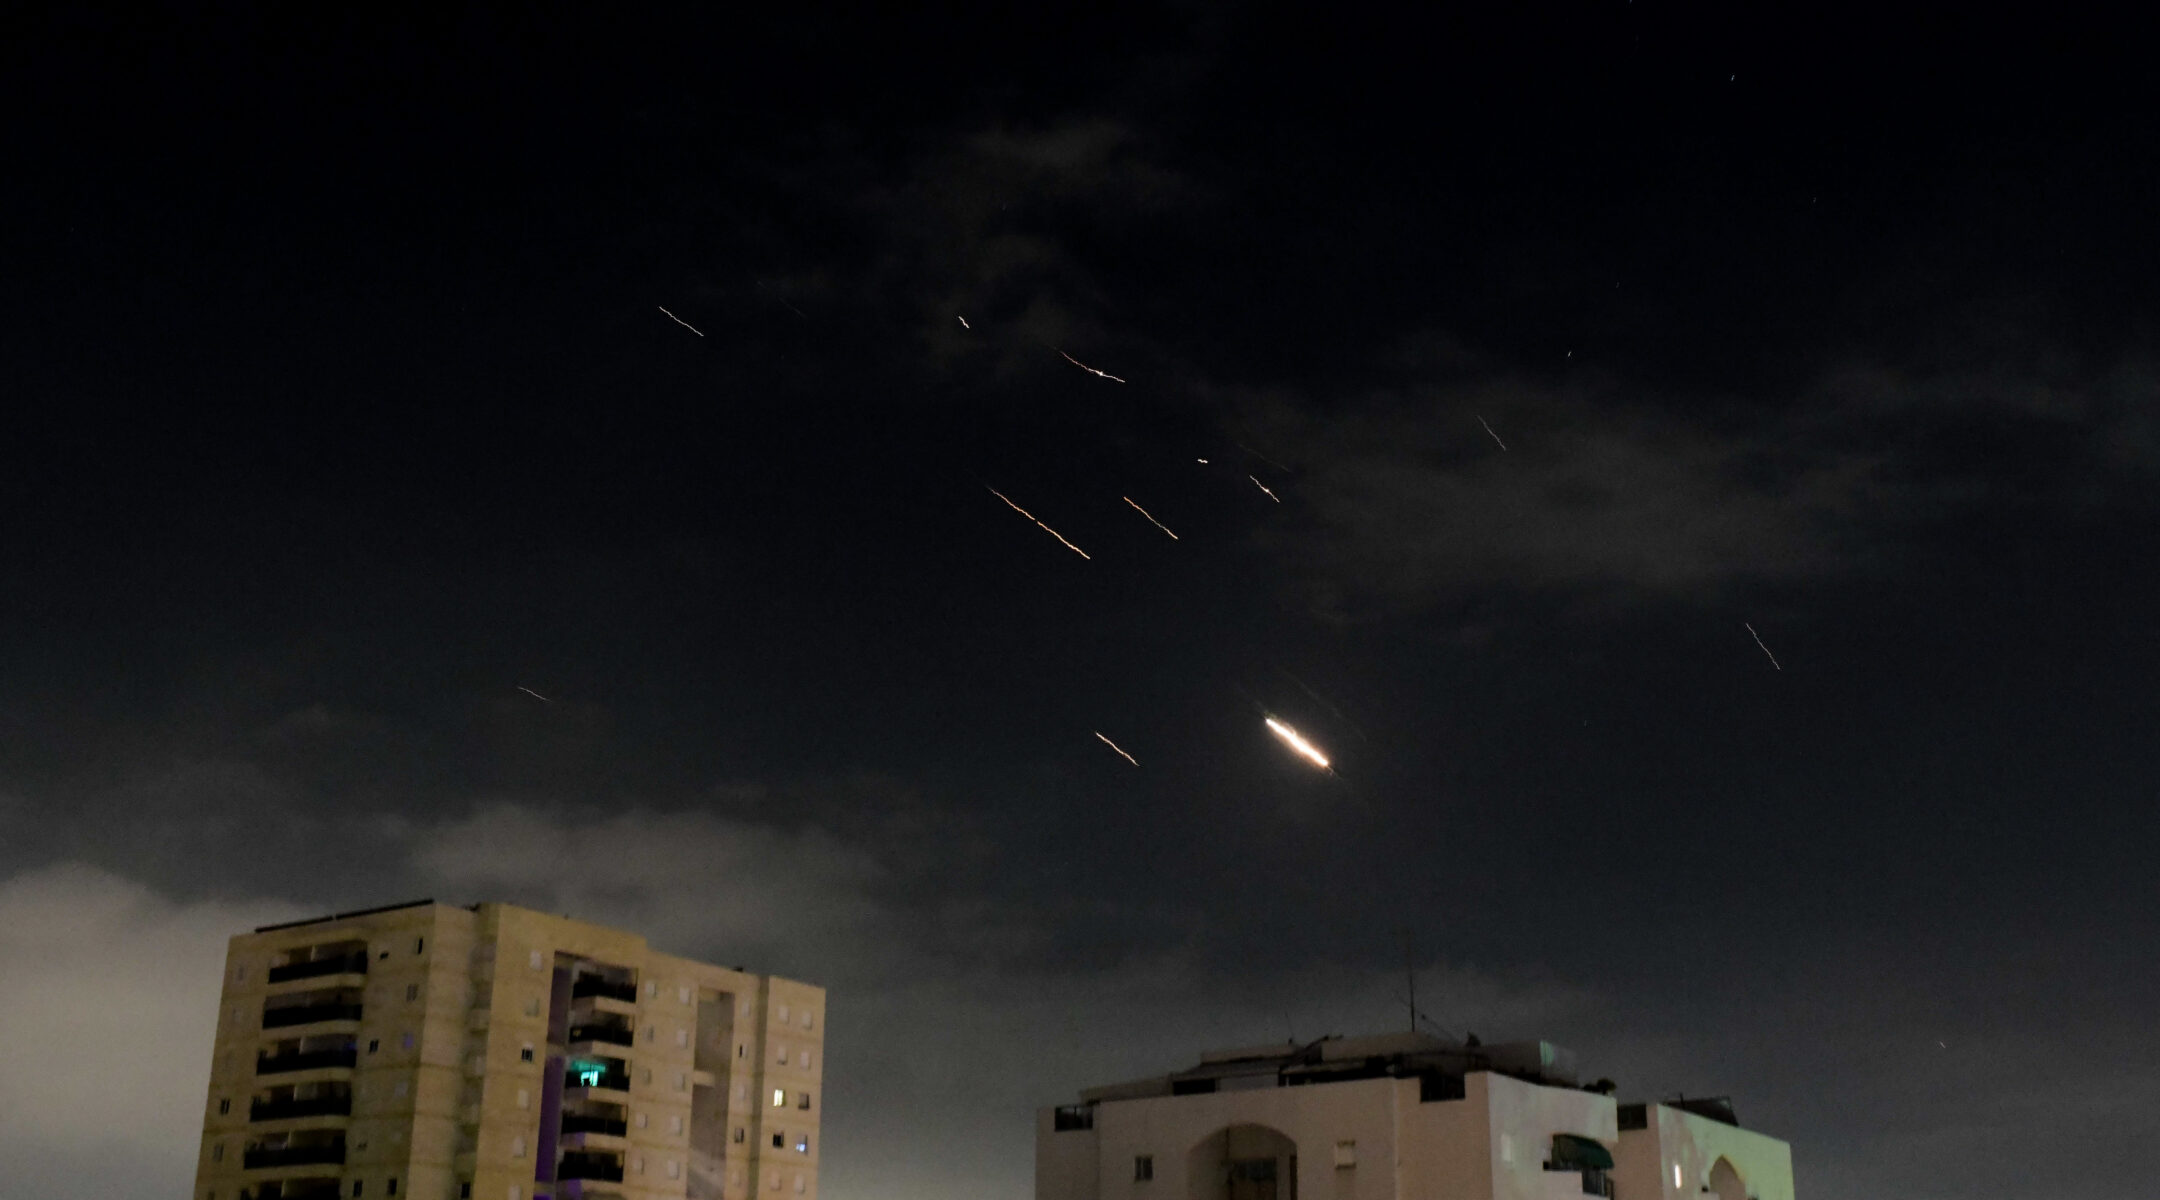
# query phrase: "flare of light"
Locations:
[[1263, 487], [1298, 743], [1765, 649], [535, 695], [1495, 436], [1038, 524], [1090, 370], [679, 321], [964, 324], [1121, 750], [1150, 516]]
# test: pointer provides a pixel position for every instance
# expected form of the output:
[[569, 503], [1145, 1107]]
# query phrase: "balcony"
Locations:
[[585, 1166], [594, 985], [310, 1060], [576, 1123], [293, 1156], [343, 964], [298, 1189], [314, 1106], [612, 1035], [308, 1014]]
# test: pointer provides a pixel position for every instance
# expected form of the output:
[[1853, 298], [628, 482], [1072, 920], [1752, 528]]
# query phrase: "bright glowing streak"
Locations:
[[1121, 752], [679, 321], [1765, 649], [964, 324], [1298, 743], [1045, 528], [1202, 460], [1090, 370], [1150, 516], [535, 695], [1263, 487], [1495, 436]]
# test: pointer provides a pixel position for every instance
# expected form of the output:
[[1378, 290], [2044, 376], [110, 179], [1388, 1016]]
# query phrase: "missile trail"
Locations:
[[1045, 528], [1150, 516], [1495, 436], [535, 695], [1759, 642], [679, 321], [1298, 743], [1090, 370], [1263, 487], [1121, 753]]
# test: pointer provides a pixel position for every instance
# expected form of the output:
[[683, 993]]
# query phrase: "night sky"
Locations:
[[339, 407]]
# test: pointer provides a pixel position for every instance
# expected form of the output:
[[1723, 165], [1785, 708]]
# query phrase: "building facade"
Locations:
[[1394, 1117], [433, 1052]]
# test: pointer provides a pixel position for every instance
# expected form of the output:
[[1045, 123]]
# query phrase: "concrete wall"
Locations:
[[1645, 1163]]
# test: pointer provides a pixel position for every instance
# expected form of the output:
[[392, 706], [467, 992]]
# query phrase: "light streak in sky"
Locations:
[[1045, 528], [1150, 516], [1765, 649], [1263, 487], [1121, 752], [679, 321], [535, 695], [1090, 370], [1203, 461], [1298, 743], [964, 324], [1495, 436]]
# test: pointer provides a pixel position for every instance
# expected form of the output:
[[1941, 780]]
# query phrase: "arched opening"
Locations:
[[1242, 1162], [1726, 1182]]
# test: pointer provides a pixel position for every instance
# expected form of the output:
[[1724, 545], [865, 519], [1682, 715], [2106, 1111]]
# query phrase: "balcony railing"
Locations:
[[576, 1123], [313, 1106], [611, 1080], [299, 1189], [274, 1064], [294, 1156], [1070, 1118], [308, 1014], [576, 1166], [594, 985], [343, 964], [613, 1035]]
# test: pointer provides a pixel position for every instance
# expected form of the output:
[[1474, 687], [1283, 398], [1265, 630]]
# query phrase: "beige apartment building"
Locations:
[[1395, 1117], [432, 1052]]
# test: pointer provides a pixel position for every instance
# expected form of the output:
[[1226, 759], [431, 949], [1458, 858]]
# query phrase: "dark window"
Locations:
[[356, 1186], [223, 1107], [525, 1055], [803, 1102], [464, 1189], [1143, 1168], [779, 1141], [374, 1044], [419, 944], [391, 1188], [738, 1134], [412, 991], [1071, 1117]]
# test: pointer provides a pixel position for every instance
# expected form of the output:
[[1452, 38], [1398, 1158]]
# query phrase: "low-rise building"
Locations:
[[1394, 1116]]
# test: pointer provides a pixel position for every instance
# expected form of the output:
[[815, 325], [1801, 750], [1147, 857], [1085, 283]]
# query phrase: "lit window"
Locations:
[[682, 994], [802, 1101], [515, 1194], [809, 1019], [517, 1147], [532, 1007], [533, 960], [780, 1055], [798, 1183], [652, 988], [805, 1060], [741, 1093], [641, 1120], [682, 1081], [779, 1097], [674, 1169], [524, 1098], [682, 1037], [1346, 1154], [783, 1014], [1143, 1168], [1676, 1174], [674, 1124], [774, 1184], [638, 1164], [802, 1143]]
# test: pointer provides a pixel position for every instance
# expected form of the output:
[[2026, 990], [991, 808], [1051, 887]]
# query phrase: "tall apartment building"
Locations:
[[432, 1052], [1393, 1117]]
